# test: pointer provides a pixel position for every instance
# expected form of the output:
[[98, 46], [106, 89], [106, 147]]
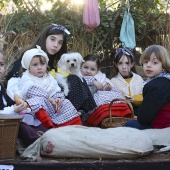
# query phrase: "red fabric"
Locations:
[[118, 109], [162, 120], [44, 118], [75, 121], [91, 16]]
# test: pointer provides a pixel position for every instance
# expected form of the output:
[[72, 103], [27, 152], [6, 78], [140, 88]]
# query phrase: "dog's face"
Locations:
[[70, 62]]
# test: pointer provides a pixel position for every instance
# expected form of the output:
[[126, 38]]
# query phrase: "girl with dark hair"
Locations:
[[53, 41], [103, 93], [125, 79]]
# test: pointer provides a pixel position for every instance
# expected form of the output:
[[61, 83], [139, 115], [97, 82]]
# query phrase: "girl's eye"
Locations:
[[61, 43], [52, 39]]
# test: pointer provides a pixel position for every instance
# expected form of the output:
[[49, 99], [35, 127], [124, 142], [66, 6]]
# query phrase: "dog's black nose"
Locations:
[[72, 64]]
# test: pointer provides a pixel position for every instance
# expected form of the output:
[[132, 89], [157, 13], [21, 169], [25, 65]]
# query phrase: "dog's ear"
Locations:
[[80, 58], [61, 61]]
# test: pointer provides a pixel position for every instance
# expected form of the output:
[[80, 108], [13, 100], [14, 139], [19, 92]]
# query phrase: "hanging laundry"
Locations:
[[91, 16], [127, 31]]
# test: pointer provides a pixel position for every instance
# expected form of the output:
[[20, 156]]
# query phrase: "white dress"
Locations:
[[36, 91]]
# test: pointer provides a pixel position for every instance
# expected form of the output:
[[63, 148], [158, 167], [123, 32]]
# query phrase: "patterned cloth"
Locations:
[[161, 74], [79, 94], [102, 97], [37, 99], [47, 82]]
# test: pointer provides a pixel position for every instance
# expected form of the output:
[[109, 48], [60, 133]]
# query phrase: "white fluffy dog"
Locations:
[[69, 63]]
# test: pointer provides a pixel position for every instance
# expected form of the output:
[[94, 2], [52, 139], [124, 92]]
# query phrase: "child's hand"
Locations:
[[107, 87], [57, 103], [129, 98], [98, 85], [20, 107]]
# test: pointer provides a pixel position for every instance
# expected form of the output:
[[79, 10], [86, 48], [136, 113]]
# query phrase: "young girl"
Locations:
[[7, 106], [154, 111], [128, 82], [53, 41], [43, 95], [105, 91]]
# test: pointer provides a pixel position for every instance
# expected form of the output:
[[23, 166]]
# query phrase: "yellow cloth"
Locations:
[[53, 73], [64, 73], [137, 99], [128, 81]]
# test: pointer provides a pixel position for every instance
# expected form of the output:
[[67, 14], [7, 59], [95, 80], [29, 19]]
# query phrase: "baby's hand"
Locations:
[[107, 87], [98, 85], [20, 107], [57, 103]]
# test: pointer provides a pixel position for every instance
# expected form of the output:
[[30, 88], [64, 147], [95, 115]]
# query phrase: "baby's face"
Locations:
[[38, 67], [2, 64]]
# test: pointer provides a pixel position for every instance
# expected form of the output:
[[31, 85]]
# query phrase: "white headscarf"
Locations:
[[29, 54]]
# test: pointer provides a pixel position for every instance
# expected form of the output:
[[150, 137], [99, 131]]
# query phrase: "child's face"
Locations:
[[89, 68], [54, 43], [38, 68], [2, 63], [152, 67], [124, 66]]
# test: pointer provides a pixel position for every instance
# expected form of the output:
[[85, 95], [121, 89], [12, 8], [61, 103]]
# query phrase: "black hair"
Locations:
[[92, 57]]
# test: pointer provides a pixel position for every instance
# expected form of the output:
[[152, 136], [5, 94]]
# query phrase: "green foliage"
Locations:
[[150, 23]]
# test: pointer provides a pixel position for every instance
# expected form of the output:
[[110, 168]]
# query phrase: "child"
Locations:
[[7, 106], [53, 41], [128, 82], [43, 95], [105, 91], [154, 111]]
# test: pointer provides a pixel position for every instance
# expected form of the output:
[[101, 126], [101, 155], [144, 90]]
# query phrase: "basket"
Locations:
[[111, 122], [9, 125]]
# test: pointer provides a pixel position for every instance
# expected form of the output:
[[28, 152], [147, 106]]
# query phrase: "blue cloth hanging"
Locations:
[[127, 32]]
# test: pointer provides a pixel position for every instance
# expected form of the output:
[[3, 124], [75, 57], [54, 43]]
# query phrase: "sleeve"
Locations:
[[155, 95], [13, 87], [89, 80]]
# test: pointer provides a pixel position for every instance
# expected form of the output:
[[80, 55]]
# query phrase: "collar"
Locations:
[[64, 73]]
